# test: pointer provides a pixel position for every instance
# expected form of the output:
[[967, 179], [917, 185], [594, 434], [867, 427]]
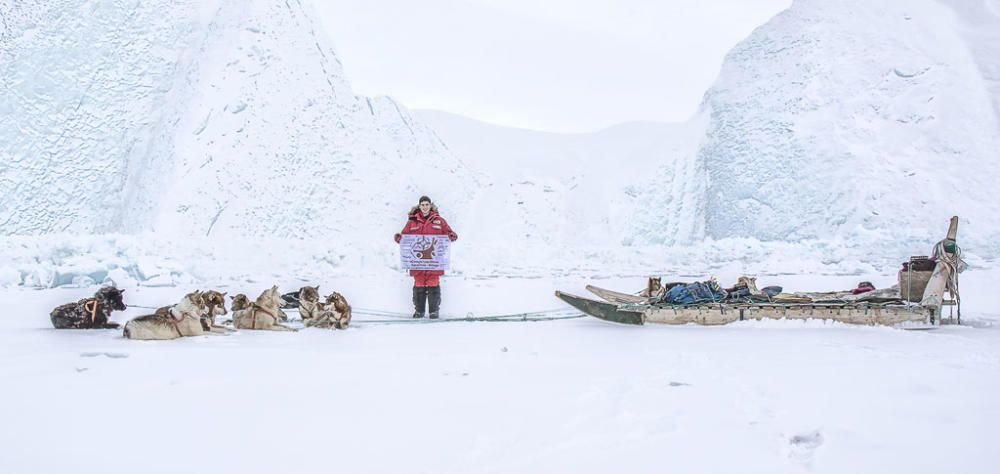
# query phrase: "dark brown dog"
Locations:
[[89, 313]]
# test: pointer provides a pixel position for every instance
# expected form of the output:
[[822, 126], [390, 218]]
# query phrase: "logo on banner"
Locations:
[[425, 252], [423, 248]]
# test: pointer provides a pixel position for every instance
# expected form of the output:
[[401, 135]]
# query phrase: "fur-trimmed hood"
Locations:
[[416, 210]]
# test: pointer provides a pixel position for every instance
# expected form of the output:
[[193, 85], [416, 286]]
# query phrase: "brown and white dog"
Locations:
[[240, 301], [653, 288], [262, 313], [89, 313], [214, 305], [180, 320], [333, 313], [308, 302]]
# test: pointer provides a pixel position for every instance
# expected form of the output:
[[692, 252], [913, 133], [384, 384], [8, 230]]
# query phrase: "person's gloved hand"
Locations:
[[397, 237], [452, 236]]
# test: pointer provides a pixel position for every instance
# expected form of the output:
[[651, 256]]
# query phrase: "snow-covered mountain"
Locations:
[[853, 117], [191, 118]]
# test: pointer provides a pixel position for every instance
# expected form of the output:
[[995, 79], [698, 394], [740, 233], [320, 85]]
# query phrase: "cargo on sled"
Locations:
[[916, 300]]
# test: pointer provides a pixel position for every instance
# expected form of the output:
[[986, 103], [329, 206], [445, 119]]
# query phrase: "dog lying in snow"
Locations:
[[180, 320], [262, 313], [214, 305], [89, 313], [308, 302], [240, 301], [288, 300], [333, 313]]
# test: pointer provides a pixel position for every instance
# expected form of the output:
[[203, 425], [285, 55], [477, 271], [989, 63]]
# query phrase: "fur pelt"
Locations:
[[262, 313], [335, 312], [180, 320], [90, 313]]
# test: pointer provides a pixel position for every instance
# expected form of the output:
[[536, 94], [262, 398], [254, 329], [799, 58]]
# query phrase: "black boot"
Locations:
[[419, 300], [434, 300]]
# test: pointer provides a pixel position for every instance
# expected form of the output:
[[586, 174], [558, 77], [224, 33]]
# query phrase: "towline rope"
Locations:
[[491, 319], [554, 314]]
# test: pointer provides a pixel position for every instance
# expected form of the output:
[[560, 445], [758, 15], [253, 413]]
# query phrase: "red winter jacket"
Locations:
[[433, 224]]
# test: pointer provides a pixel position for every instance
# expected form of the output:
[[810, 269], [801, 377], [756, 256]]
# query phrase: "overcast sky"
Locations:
[[555, 65]]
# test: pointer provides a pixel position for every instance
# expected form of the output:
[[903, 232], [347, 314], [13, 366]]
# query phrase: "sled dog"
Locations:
[[262, 313], [180, 320], [89, 313], [333, 313]]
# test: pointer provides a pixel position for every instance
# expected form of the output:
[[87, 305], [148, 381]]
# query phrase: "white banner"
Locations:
[[425, 252]]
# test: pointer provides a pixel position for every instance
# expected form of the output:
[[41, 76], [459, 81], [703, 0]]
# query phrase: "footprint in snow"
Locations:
[[112, 355], [802, 446]]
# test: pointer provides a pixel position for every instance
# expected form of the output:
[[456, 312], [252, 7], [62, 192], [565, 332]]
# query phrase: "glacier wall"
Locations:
[[203, 118], [843, 118]]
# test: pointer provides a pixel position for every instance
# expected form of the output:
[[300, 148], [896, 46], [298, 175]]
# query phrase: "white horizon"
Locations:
[[563, 66]]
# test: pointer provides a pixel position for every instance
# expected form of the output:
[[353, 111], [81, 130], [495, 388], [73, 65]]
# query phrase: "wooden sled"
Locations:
[[722, 313], [626, 308]]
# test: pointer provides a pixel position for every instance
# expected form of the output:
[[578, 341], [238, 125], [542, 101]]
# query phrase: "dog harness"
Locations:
[[91, 307], [253, 320], [307, 309], [177, 322]]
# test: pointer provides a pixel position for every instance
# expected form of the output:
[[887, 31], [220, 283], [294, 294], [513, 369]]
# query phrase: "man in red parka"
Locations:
[[424, 220]]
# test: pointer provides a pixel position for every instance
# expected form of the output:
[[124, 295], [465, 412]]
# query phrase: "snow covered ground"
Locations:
[[231, 153], [577, 395]]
